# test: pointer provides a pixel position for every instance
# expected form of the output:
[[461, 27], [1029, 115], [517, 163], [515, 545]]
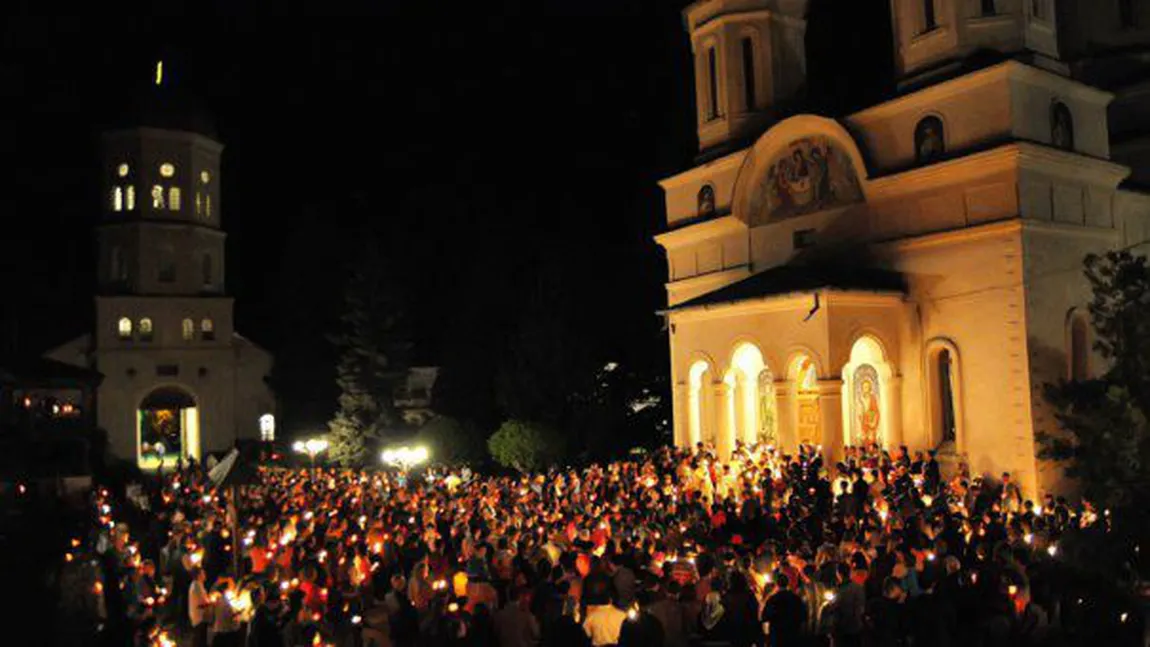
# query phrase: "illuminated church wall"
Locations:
[[982, 192]]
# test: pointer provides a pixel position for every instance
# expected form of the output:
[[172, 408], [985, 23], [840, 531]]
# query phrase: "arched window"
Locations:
[[929, 19], [174, 198], [706, 201], [267, 428], [157, 197], [124, 328], [145, 329], [188, 328], [167, 269], [207, 269], [199, 204], [130, 203], [207, 329], [929, 140], [1061, 126], [118, 198], [989, 7], [1127, 14], [1079, 351], [208, 205], [712, 84], [117, 270], [749, 73], [943, 392]]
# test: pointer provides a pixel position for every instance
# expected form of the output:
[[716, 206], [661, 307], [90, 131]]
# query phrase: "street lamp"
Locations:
[[405, 457], [312, 447]]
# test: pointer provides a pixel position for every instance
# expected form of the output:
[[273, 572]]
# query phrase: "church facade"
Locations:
[[178, 379], [910, 274]]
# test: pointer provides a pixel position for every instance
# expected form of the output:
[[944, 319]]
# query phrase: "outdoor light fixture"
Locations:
[[312, 447], [405, 457]]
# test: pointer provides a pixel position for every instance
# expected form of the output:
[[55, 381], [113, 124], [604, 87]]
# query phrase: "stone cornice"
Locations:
[[1017, 155], [798, 301], [701, 231]]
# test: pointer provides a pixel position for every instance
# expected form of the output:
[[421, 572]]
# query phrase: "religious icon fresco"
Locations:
[[866, 406], [812, 174]]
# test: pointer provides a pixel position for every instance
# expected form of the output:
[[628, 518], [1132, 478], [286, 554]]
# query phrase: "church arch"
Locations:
[[944, 394], [167, 427], [752, 408], [814, 158], [803, 380], [868, 394]]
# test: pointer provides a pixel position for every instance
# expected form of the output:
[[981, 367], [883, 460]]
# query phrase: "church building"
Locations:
[[178, 379], [910, 274]]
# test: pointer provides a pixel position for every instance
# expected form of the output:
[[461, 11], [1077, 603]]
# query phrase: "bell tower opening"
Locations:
[[167, 428]]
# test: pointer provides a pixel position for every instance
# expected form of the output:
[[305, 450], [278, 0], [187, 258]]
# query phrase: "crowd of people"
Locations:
[[673, 548]]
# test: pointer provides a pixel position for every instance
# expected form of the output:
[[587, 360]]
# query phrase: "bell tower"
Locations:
[[750, 61], [160, 226]]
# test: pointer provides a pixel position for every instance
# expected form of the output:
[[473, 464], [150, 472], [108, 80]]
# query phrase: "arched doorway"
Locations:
[[866, 395], [699, 425], [805, 387], [167, 428], [751, 402]]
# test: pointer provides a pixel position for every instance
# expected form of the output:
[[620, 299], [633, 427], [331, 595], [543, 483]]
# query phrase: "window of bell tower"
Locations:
[[118, 198], [174, 198], [130, 202], [157, 197]]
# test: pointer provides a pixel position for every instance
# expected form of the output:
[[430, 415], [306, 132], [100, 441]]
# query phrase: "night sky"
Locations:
[[493, 154]]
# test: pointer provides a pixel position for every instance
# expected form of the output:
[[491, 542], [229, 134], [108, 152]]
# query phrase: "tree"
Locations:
[[524, 446], [372, 354], [1106, 446]]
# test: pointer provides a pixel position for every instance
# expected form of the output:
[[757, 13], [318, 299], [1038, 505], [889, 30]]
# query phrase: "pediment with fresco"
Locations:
[[808, 175]]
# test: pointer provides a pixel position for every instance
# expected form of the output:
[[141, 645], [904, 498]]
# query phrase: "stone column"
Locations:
[[831, 417], [785, 417], [724, 426], [891, 393], [680, 415]]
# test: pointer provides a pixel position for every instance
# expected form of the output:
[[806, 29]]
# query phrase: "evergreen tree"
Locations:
[[372, 359]]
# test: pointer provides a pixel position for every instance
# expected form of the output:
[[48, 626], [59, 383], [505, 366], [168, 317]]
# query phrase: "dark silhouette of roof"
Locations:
[[168, 105], [791, 279], [41, 370]]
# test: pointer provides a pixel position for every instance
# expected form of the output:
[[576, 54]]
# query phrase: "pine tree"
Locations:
[[372, 358]]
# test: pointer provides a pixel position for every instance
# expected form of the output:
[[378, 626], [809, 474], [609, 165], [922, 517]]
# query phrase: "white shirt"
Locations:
[[197, 599]]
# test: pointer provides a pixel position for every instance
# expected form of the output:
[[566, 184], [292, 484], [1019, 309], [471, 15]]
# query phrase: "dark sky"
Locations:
[[480, 148]]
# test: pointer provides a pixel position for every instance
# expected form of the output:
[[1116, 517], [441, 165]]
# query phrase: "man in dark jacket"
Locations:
[[784, 615]]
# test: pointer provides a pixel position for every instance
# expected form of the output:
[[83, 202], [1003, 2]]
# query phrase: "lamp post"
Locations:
[[312, 447], [405, 457]]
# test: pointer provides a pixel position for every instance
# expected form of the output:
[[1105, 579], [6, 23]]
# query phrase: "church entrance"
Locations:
[[167, 428]]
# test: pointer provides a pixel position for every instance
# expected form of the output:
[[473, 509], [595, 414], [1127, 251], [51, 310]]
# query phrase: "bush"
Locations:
[[525, 446]]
